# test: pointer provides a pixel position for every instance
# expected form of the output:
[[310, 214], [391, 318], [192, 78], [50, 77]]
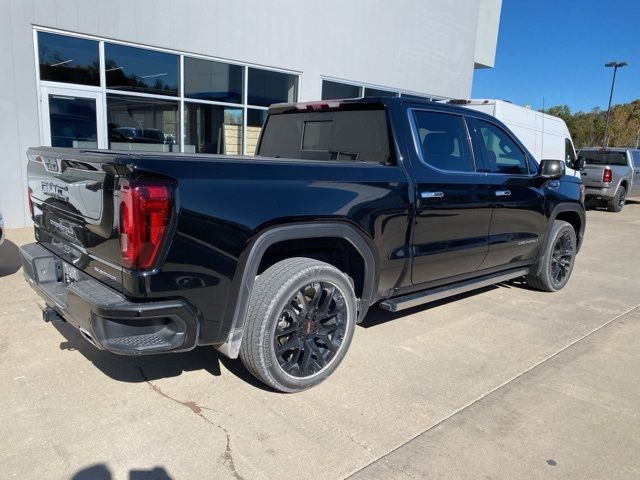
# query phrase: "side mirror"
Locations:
[[551, 169], [579, 164]]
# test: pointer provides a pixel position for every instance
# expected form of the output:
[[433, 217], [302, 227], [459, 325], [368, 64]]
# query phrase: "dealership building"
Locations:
[[197, 76]]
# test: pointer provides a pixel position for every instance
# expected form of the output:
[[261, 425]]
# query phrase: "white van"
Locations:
[[545, 136]]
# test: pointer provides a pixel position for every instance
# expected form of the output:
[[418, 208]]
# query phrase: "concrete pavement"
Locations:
[[503, 383]]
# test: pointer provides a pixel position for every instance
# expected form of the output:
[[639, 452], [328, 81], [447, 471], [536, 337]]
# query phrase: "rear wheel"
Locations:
[[557, 260], [617, 202], [300, 322]]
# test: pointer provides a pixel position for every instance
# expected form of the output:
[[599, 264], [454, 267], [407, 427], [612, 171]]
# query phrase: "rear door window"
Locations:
[[443, 141], [342, 135]]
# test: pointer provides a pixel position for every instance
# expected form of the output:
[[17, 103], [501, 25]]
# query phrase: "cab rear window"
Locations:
[[342, 135], [604, 158]]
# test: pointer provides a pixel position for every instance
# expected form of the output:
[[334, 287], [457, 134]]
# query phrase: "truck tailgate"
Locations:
[[72, 196], [592, 176]]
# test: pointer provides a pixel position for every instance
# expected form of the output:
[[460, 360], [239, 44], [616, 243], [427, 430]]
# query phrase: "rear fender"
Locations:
[[259, 246]]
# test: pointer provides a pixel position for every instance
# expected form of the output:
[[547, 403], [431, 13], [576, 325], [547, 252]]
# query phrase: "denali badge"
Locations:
[[527, 242]]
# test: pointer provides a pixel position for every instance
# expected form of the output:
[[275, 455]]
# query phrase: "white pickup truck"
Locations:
[[610, 174]]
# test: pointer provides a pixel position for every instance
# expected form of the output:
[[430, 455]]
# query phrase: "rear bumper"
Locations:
[[106, 318], [600, 192]]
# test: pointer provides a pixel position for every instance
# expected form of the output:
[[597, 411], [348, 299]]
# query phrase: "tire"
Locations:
[[557, 260], [308, 306], [617, 202]]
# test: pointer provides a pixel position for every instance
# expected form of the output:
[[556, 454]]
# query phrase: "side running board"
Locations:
[[407, 301]]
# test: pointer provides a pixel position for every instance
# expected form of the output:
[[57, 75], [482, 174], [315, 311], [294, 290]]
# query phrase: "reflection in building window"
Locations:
[[212, 129], [68, 59], [207, 80], [266, 87], [332, 90], [141, 70], [376, 92], [137, 123], [73, 122], [255, 121]]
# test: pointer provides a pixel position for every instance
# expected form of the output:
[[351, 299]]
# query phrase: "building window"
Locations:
[[68, 59], [266, 87], [141, 70], [212, 129], [154, 100], [377, 92], [207, 80], [73, 122], [331, 90], [414, 97], [138, 123]]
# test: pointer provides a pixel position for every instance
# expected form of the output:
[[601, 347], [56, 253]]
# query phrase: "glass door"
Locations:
[[72, 118]]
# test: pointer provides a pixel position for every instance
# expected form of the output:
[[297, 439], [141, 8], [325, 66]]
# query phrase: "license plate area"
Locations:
[[50, 275], [70, 274]]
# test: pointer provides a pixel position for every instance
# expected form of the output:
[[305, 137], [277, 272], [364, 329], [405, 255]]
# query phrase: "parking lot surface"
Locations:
[[506, 382]]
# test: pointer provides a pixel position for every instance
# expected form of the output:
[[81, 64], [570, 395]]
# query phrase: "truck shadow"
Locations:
[[601, 206], [101, 471], [9, 258], [146, 368], [137, 369]]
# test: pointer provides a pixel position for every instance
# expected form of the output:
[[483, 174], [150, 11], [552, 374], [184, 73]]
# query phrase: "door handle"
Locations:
[[431, 194], [503, 193]]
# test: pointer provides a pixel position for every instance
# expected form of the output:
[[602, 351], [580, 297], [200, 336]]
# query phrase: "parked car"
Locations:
[[544, 135], [275, 258], [611, 174], [139, 135]]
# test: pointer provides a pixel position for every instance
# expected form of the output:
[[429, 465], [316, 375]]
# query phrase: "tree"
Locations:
[[587, 128]]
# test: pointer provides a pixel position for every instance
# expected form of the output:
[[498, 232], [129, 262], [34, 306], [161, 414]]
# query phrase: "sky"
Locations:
[[557, 50]]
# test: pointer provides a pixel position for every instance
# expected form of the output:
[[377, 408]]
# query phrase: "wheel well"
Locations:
[[335, 251], [572, 218]]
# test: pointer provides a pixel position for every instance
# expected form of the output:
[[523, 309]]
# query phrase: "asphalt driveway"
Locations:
[[506, 382]]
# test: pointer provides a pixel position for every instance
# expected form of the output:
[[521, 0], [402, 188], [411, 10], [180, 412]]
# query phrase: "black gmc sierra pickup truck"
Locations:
[[275, 258]]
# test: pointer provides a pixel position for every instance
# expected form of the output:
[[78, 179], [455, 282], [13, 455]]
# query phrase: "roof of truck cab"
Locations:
[[291, 107]]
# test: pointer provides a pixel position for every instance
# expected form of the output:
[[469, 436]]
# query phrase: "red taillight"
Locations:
[[145, 213], [607, 175], [30, 200]]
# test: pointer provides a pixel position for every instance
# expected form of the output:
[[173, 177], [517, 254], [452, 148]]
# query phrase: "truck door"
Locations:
[[450, 235], [518, 220], [635, 165]]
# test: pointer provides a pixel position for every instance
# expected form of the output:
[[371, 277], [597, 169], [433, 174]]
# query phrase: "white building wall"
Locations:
[[419, 46]]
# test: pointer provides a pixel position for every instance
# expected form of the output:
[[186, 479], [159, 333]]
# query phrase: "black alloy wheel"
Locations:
[[300, 322], [310, 329], [562, 258]]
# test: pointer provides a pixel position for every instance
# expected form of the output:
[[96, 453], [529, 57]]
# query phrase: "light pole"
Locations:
[[615, 66]]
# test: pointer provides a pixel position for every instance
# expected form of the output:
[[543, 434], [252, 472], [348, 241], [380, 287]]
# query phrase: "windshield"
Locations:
[[604, 158]]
